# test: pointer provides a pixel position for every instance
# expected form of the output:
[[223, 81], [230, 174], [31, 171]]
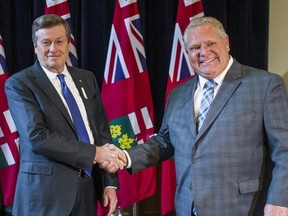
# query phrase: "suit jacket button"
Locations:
[[194, 161]]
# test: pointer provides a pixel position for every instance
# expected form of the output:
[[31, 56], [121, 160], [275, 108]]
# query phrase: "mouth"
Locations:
[[207, 61]]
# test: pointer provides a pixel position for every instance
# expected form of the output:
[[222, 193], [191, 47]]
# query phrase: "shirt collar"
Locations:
[[51, 75]]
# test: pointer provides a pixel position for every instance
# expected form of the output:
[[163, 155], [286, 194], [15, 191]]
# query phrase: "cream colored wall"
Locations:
[[278, 38]]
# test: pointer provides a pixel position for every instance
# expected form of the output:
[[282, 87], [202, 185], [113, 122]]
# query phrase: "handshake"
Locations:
[[110, 158]]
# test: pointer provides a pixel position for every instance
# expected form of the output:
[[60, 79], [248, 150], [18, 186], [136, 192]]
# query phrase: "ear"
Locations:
[[35, 46], [227, 43]]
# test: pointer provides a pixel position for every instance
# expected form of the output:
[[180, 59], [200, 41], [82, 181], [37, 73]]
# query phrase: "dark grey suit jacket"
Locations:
[[50, 154], [225, 168]]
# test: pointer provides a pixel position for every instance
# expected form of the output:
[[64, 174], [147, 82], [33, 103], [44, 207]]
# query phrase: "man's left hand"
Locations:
[[110, 199], [273, 210]]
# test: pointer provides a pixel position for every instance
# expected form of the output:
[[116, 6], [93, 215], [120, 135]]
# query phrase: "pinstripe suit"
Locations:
[[225, 168]]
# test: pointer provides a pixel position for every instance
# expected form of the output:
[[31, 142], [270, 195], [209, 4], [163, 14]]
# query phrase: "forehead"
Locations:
[[52, 32], [206, 31]]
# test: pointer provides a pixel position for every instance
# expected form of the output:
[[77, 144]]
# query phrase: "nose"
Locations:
[[52, 47], [203, 50]]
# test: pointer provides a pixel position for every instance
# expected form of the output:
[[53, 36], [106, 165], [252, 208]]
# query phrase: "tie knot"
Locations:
[[61, 77], [210, 84]]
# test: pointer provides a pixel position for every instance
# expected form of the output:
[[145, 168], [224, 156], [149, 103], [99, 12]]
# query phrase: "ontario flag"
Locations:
[[61, 8], [127, 98], [9, 149], [179, 72]]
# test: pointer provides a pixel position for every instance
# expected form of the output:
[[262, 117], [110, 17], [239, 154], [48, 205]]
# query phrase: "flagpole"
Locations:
[[134, 209]]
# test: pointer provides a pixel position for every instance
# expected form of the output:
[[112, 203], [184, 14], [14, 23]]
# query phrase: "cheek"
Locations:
[[65, 51], [67, 48], [40, 50], [194, 59]]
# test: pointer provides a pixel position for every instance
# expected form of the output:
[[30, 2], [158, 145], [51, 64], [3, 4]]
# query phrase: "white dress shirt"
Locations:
[[199, 90], [71, 85]]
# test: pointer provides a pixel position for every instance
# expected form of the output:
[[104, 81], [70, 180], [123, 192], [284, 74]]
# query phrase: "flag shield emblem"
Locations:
[[122, 133]]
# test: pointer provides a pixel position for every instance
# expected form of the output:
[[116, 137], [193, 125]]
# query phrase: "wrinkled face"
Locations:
[[208, 51], [52, 48]]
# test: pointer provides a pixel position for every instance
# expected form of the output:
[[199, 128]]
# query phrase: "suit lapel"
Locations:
[[189, 107], [227, 89], [44, 83]]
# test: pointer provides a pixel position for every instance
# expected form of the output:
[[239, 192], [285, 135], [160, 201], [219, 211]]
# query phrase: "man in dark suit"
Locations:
[[55, 167], [222, 162]]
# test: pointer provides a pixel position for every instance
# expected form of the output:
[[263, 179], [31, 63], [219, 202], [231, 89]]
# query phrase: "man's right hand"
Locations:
[[110, 158]]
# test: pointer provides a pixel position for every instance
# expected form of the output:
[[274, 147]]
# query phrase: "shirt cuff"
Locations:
[[111, 187], [129, 163]]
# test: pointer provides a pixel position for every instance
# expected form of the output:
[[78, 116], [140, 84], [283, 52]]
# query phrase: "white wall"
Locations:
[[278, 38]]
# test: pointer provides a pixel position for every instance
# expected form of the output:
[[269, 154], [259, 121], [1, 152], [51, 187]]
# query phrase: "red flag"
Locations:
[[61, 8], [9, 152], [179, 72], [127, 97]]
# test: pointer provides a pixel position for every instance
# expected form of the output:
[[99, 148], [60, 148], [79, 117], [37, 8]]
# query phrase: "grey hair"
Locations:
[[199, 21], [48, 21]]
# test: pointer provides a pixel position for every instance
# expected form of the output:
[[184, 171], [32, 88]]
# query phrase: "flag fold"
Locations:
[[9, 151], [127, 98]]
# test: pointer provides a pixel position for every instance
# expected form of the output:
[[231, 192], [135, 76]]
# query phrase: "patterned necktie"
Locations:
[[207, 98], [75, 113]]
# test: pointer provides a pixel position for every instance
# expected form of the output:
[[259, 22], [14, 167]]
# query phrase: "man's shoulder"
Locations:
[[185, 85], [22, 74], [77, 69], [249, 71], [79, 72]]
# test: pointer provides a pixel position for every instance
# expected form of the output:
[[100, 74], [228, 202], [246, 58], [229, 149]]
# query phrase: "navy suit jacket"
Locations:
[[50, 154], [225, 168]]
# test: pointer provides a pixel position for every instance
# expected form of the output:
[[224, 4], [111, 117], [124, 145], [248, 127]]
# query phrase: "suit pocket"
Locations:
[[36, 168], [250, 186]]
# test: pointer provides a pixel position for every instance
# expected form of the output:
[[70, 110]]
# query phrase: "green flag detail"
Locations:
[[122, 133]]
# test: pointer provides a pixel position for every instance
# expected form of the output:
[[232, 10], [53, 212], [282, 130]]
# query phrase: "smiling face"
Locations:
[[52, 48], [208, 51]]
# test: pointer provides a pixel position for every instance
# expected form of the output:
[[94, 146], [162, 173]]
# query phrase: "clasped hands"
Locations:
[[110, 158]]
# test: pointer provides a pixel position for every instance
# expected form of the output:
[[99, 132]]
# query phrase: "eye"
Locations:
[[59, 42], [46, 43], [211, 43], [194, 48]]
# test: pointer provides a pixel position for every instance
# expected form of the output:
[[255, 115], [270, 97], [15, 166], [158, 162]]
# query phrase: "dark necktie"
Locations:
[[75, 113], [207, 98]]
